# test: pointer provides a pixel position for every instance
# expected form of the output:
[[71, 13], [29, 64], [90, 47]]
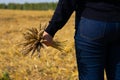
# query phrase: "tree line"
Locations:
[[29, 6]]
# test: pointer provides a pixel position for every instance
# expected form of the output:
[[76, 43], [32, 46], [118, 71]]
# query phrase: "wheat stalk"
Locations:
[[33, 41]]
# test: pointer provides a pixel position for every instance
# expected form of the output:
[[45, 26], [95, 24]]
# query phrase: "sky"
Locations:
[[23, 1]]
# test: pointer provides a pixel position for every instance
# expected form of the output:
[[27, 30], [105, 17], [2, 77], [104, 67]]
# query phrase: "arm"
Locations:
[[61, 15]]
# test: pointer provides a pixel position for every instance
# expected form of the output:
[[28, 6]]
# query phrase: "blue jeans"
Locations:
[[97, 46]]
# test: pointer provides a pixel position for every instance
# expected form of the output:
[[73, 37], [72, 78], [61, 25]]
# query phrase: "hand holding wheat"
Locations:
[[35, 39]]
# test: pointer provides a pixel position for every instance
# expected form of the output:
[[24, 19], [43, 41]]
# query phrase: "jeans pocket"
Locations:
[[92, 29]]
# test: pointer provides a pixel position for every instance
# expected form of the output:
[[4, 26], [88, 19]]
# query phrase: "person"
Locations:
[[97, 36]]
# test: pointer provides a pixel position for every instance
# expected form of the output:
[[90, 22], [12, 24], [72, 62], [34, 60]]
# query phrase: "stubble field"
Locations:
[[52, 65]]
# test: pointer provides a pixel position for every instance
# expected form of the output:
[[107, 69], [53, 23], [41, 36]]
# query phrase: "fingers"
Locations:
[[47, 39]]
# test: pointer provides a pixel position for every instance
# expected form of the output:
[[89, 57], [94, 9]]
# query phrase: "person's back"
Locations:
[[100, 10]]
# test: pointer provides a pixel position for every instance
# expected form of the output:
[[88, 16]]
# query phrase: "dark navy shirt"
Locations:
[[102, 10]]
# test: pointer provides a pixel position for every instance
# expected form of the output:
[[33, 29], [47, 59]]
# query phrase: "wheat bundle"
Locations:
[[33, 41]]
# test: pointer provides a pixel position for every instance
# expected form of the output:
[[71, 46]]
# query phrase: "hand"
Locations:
[[48, 40]]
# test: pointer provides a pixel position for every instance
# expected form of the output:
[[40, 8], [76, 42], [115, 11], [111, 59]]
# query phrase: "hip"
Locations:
[[91, 29]]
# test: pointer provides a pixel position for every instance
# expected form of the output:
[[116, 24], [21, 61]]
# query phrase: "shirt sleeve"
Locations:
[[61, 15]]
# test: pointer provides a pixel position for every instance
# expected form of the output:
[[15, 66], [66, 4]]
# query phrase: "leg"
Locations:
[[90, 50], [113, 62], [90, 61], [113, 52]]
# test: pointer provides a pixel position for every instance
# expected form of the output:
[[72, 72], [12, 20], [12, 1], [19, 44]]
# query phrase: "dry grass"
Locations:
[[52, 65], [33, 41]]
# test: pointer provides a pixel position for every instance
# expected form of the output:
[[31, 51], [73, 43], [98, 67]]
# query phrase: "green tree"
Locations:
[[29, 6], [25, 6], [18, 6], [2, 6], [11, 6]]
